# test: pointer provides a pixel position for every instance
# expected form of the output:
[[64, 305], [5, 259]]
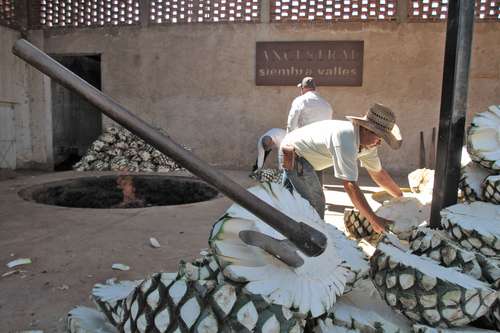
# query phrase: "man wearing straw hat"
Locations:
[[340, 144]]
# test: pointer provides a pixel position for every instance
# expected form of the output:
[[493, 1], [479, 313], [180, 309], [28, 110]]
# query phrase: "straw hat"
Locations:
[[382, 121]]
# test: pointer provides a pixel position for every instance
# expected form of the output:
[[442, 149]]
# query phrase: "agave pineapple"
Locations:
[[191, 300], [168, 303], [474, 226], [311, 288], [267, 175], [483, 142], [491, 192], [406, 212], [471, 181], [439, 247], [427, 293], [351, 317]]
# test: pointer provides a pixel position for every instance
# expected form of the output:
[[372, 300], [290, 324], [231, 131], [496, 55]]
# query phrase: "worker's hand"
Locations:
[[381, 225]]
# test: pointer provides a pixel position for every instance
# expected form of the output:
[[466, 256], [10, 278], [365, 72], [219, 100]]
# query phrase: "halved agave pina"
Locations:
[[407, 214], [310, 289], [426, 292], [190, 300], [353, 258], [436, 245], [474, 225], [351, 316], [364, 310], [167, 302], [356, 224], [472, 177], [83, 319], [483, 141], [492, 189], [421, 181]]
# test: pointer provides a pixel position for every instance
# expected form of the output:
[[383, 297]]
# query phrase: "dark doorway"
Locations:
[[75, 122]]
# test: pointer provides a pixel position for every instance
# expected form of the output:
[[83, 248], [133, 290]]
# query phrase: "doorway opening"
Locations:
[[75, 122]]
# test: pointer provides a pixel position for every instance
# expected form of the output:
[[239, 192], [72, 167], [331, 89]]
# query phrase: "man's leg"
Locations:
[[306, 182], [264, 161]]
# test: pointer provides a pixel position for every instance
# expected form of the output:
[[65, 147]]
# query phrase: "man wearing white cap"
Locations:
[[340, 144], [269, 140], [309, 107]]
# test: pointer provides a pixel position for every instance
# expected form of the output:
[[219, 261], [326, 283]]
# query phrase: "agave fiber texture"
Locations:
[[483, 141], [472, 177], [406, 212], [191, 301], [437, 245], [356, 224], [427, 293], [474, 225], [310, 289], [492, 189], [267, 175]]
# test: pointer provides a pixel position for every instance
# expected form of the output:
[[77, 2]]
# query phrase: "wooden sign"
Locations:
[[331, 63]]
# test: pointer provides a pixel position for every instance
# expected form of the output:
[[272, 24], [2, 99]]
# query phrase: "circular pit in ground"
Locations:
[[121, 191]]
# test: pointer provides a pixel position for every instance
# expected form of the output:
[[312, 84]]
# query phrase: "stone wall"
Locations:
[[197, 82]]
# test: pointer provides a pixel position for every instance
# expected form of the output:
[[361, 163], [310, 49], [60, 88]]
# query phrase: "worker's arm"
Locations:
[[359, 201], [384, 180]]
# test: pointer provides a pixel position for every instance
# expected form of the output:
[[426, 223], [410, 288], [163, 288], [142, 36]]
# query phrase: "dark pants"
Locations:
[[266, 152], [306, 181]]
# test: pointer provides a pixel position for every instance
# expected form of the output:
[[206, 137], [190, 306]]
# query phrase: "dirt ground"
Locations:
[[72, 249]]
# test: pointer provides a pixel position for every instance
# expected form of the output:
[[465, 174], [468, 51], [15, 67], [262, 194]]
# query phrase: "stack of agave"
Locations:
[[480, 169], [119, 150], [451, 277]]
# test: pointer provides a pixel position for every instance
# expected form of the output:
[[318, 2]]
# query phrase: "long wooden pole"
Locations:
[[453, 106], [310, 241]]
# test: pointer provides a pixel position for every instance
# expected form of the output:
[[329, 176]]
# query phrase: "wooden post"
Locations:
[[432, 150], [421, 160], [453, 106]]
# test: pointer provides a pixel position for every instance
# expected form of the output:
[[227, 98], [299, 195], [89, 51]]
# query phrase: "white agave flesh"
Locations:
[[421, 181], [327, 326], [114, 291], [483, 142], [86, 320], [482, 217], [407, 214], [431, 269], [363, 309], [455, 304], [310, 288]]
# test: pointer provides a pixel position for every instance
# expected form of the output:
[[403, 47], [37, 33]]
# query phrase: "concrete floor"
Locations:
[[72, 249]]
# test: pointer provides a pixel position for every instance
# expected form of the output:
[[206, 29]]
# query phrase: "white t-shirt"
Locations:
[[277, 135], [333, 143], [306, 109]]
